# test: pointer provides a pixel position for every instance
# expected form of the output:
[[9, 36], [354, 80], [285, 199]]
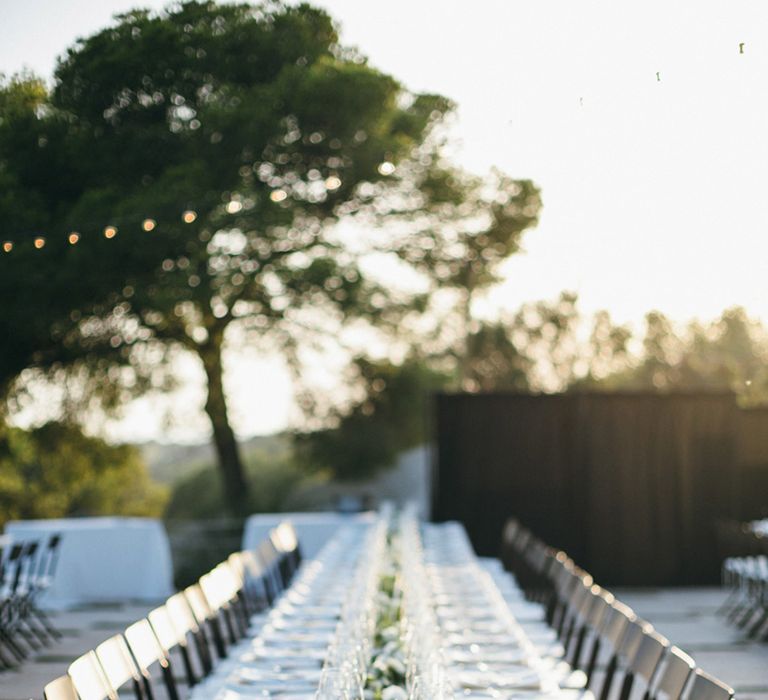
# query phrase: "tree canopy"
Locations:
[[187, 168], [55, 471]]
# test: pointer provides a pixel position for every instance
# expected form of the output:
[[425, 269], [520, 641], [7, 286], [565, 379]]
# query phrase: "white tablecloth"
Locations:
[[313, 529], [103, 559]]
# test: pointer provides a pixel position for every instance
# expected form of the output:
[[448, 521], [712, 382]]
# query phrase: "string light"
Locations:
[[110, 231], [386, 168], [234, 206]]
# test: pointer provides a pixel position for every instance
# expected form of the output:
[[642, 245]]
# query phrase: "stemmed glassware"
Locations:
[[346, 662], [410, 598]]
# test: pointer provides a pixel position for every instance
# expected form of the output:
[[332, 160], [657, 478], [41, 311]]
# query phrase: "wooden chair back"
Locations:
[[60, 689], [118, 665], [89, 679], [673, 675], [706, 687]]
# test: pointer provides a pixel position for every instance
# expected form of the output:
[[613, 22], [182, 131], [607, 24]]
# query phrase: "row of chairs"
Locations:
[[26, 571], [197, 628], [619, 654], [747, 603]]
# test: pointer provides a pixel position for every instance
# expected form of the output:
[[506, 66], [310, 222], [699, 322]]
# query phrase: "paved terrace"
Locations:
[[685, 615]]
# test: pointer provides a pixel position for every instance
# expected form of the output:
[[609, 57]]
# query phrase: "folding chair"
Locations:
[[644, 663], [287, 543], [592, 615], [607, 626], [31, 579], [221, 592], [206, 618], [147, 651], [43, 578], [16, 624], [89, 679], [119, 668], [171, 638], [184, 622], [257, 586], [576, 607], [671, 679], [559, 577], [565, 585], [269, 558], [60, 689], [706, 687], [11, 653], [541, 559], [620, 636]]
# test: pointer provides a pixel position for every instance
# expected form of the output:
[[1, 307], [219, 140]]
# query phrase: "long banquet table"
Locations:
[[398, 610], [314, 530]]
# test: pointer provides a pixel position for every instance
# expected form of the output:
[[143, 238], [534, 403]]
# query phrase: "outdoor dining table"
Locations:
[[455, 633], [103, 560], [314, 530]]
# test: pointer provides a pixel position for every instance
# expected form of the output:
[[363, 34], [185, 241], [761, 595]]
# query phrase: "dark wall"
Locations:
[[630, 485], [752, 457]]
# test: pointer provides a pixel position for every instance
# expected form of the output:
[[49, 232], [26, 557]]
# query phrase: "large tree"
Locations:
[[202, 155], [253, 121]]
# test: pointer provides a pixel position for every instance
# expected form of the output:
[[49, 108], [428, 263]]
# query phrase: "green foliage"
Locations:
[[728, 354], [275, 484], [55, 471], [261, 122], [465, 226], [551, 346], [493, 362], [546, 346], [253, 116], [391, 417]]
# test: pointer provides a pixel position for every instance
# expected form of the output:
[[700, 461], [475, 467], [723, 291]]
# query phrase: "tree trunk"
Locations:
[[224, 441]]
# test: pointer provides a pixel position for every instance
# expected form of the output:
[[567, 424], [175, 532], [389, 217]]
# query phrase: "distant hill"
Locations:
[[168, 462]]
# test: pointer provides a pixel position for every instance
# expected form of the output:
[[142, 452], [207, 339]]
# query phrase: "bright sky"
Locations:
[[644, 126]]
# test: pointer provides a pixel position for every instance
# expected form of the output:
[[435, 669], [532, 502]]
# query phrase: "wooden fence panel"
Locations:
[[630, 485]]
